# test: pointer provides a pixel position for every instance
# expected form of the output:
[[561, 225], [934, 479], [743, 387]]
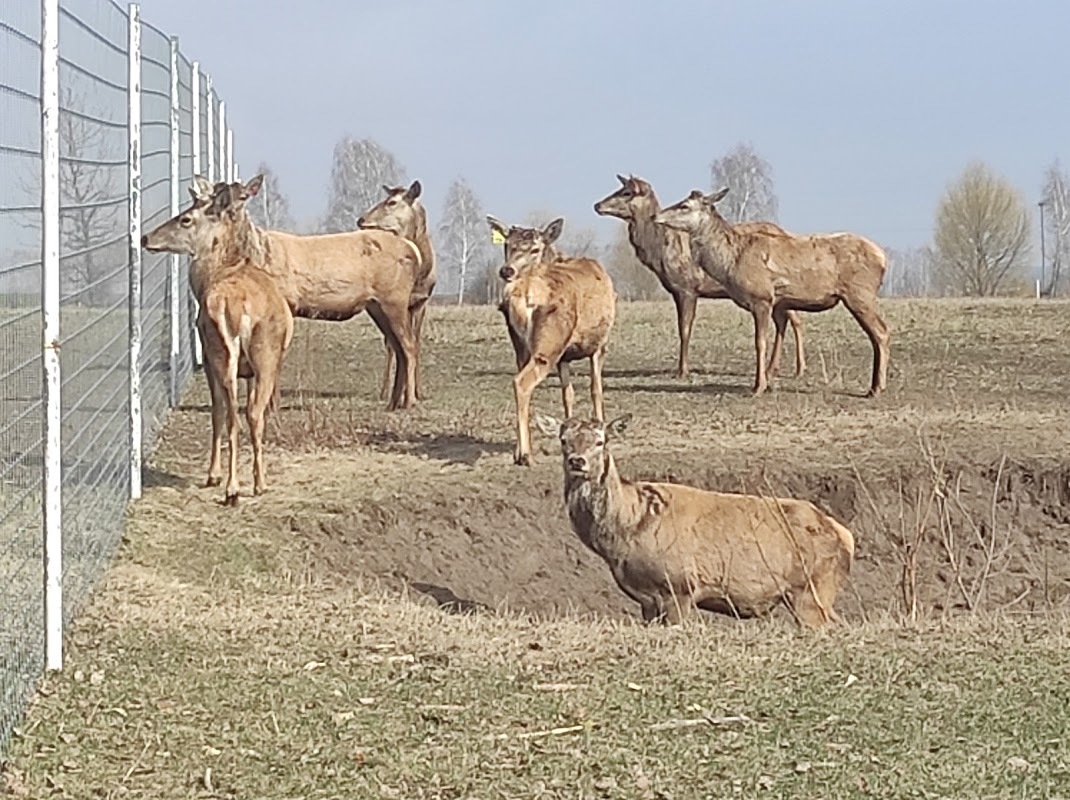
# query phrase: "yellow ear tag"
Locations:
[[496, 236]]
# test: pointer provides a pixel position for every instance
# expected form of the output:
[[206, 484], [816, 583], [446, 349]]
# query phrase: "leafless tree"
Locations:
[[1056, 210], [982, 239], [361, 168], [909, 272], [750, 179], [632, 280], [92, 203], [269, 208], [464, 251]]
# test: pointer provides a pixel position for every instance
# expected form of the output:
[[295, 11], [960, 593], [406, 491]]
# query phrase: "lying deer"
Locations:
[[672, 548], [557, 310], [771, 275], [401, 212], [244, 321], [667, 253]]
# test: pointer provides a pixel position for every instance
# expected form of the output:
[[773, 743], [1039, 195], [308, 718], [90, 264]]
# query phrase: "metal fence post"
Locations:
[[230, 156], [134, 243], [175, 295], [50, 225], [222, 163], [209, 127], [195, 95]]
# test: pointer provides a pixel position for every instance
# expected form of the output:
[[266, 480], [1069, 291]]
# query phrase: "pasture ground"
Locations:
[[407, 615]]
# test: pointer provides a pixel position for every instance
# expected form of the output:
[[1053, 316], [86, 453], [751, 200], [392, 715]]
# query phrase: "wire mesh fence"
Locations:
[[105, 161]]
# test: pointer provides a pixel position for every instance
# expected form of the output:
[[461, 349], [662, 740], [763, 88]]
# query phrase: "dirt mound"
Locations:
[[992, 536]]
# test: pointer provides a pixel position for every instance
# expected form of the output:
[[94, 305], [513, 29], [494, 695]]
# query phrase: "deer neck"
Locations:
[[597, 510], [238, 244], [421, 239], [716, 245], [659, 248]]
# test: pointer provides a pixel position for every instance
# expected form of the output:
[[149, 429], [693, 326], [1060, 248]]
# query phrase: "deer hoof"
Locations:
[[231, 500], [522, 459], [213, 481]]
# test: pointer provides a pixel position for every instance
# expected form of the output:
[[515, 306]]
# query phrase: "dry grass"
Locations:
[[267, 652]]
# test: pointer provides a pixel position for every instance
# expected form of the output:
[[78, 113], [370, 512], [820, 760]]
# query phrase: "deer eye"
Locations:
[[186, 221]]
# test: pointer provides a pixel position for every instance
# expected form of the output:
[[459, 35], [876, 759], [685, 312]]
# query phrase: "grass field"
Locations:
[[405, 614]]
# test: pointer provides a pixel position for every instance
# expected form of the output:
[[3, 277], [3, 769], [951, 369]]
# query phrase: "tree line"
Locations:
[[982, 243]]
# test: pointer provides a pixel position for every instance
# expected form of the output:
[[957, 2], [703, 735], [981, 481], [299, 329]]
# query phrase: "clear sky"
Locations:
[[865, 108]]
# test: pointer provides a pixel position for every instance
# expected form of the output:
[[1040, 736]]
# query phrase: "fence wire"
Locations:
[[94, 300], [21, 572]]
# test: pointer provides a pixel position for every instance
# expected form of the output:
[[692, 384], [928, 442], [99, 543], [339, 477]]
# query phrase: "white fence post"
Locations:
[[222, 162], [134, 169], [175, 294], [210, 128], [195, 94], [52, 507], [230, 156]]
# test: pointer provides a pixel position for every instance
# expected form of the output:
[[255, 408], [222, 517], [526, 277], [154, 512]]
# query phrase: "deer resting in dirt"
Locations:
[[400, 212], [672, 548], [244, 321], [557, 310], [772, 274], [667, 253]]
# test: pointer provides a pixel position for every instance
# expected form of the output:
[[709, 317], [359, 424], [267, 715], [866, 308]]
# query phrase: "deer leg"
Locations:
[[797, 330], [524, 384], [384, 386], [230, 388], [762, 313], [418, 315], [598, 362], [219, 410], [568, 391], [864, 310], [686, 304], [780, 324], [396, 323], [268, 363]]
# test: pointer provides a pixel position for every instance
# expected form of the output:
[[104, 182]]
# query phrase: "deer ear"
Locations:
[[548, 425], [201, 189], [252, 188], [552, 231], [617, 427], [498, 226], [413, 191], [716, 196], [622, 179]]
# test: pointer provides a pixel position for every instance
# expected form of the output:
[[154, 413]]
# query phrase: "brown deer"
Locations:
[[335, 276], [773, 274], [244, 321], [401, 212], [557, 310], [667, 253], [672, 548]]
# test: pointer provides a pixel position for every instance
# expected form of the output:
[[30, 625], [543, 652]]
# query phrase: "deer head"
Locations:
[[689, 214], [525, 247], [584, 452], [632, 197], [194, 229], [396, 212]]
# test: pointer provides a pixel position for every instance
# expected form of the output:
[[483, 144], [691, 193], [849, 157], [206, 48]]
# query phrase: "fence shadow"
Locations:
[[450, 448]]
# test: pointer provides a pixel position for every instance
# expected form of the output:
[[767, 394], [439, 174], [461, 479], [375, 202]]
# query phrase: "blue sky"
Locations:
[[865, 109]]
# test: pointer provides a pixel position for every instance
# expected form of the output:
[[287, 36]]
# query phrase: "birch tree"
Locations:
[[361, 168], [1056, 211], [749, 177], [269, 208], [463, 248]]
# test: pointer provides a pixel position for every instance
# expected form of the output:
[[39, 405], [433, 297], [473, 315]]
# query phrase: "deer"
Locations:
[[667, 253], [557, 310], [673, 548], [772, 274], [244, 321], [400, 212], [336, 276]]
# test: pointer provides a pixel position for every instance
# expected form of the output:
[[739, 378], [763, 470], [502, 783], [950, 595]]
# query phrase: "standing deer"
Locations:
[[672, 548], [772, 274], [400, 212], [667, 253], [557, 310], [335, 276], [244, 321]]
